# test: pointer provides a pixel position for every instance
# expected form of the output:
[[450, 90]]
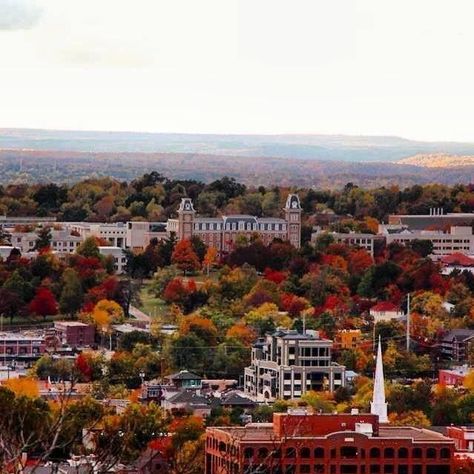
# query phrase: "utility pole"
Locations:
[[408, 322]]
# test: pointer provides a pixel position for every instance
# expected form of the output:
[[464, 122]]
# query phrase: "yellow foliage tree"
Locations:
[[25, 386], [409, 418], [469, 380], [105, 313], [265, 312]]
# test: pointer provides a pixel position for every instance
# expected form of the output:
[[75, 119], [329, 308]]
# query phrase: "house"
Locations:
[[456, 261], [385, 311], [453, 377], [348, 339], [189, 401], [303, 442], [184, 380], [455, 344], [287, 364]]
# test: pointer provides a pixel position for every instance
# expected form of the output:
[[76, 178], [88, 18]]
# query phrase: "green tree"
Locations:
[[89, 248], [72, 294]]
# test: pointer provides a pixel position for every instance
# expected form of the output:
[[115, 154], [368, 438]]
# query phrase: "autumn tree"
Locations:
[[184, 257], [210, 258], [44, 303]]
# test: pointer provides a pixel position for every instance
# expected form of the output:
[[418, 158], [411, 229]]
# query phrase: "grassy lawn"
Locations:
[[151, 305]]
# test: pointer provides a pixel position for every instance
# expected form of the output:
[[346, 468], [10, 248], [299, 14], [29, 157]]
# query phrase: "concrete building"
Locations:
[[435, 219], [354, 239], [75, 333], [222, 232], [287, 364], [62, 241], [298, 442], [118, 256], [455, 239], [140, 233], [113, 233]]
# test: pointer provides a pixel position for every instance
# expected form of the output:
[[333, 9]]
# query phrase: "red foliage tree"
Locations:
[[44, 303]]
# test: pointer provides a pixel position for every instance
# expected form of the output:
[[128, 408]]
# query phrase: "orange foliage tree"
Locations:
[[184, 257]]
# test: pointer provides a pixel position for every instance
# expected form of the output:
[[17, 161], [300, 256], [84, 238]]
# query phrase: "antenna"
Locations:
[[408, 322]]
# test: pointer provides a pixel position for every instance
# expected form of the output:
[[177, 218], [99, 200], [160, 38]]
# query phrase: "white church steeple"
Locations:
[[379, 405]]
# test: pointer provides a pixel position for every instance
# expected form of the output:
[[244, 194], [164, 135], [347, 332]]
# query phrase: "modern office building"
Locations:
[[287, 364]]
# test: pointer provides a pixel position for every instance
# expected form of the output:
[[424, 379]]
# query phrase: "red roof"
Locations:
[[385, 306], [458, 258]]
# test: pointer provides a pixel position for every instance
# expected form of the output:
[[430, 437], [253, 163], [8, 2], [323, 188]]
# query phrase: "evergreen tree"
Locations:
[[44, 238], [72, 294]]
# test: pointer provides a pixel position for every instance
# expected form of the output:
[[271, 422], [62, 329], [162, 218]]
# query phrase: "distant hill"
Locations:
[[306, 147], [438, 160], [71, 166]]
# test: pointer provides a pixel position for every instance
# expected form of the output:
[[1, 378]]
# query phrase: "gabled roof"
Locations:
[[458, 258], [385, 306], [459, 334], [235, 399], [190, 397], [184, 375]]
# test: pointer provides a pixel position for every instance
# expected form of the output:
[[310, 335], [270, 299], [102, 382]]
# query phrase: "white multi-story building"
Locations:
[[113, 233], [287, 364], [62, 241], [355, 239], [457, 239], [140, 233], [117, 253]]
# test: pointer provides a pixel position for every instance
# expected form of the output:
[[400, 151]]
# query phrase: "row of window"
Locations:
[[347, 452], [239, 226]]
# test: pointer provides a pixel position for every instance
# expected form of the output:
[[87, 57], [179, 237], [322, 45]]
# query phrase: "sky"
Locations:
[[363, 67]]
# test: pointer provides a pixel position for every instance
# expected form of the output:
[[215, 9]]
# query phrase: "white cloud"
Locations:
[[19, 14]]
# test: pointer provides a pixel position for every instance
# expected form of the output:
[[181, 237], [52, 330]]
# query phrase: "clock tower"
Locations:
[[186, 215], [293, 219]]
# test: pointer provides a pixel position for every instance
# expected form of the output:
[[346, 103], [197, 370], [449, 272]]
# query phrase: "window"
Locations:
[[389, 453], [388, 468], [417, 453], [319, 453], [348, 452], [291, 453], [305, 453], [348, 469], [431, 453], [445, 453], [403, 453], [262, 452], [374, 468], [248, 453], [375, 453], [305, 469]]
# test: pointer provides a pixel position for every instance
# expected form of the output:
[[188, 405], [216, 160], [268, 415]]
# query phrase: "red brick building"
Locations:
[[463, 437], [302, 443], [75, 333]]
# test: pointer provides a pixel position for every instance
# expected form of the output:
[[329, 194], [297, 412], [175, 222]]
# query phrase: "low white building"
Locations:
[[117, 253], [62, 241], [140, 233], [458, 239], [114, 233], [386, 311], [355, 239]]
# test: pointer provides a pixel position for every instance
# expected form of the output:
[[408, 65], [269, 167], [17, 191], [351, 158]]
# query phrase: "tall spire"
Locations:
[[378, 405]]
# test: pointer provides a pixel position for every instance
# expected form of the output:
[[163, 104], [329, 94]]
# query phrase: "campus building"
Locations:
[[222, 232], [298, 442], [287, 364]]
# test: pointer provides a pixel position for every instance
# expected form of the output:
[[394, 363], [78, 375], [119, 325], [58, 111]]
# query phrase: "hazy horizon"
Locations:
[[352, 67]]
